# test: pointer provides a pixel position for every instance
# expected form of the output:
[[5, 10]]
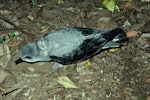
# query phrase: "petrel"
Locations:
[[71, 45]]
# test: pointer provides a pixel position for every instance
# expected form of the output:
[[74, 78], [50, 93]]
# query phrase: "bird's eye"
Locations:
[[28, 57]]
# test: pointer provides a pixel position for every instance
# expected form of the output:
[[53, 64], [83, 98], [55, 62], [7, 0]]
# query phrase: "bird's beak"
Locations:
[[19, 61]]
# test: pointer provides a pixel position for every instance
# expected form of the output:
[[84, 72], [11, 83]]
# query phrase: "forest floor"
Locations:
[[115, 74]]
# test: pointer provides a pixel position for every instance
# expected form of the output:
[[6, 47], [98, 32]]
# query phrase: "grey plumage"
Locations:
[[71, 45]]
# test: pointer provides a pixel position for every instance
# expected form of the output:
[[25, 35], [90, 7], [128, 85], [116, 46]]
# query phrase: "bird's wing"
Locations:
[[91, 47], [87, 49]]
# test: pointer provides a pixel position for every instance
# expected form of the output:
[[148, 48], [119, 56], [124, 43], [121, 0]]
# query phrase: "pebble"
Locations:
[[145, 36]]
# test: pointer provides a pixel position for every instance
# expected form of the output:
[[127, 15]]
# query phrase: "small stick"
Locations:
[[15, 26]]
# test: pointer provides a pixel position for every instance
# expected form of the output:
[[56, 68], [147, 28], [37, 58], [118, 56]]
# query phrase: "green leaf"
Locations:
[[141, 98], [1, 39], [33, 2], [12, 34], [117, 8], [109, 4]]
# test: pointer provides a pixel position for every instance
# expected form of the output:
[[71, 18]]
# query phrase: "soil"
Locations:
[[115, 74]]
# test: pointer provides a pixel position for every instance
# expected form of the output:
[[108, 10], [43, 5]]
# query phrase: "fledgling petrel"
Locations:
[[71, 45]]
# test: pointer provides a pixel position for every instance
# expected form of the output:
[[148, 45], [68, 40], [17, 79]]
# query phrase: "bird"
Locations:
[[71, 45]]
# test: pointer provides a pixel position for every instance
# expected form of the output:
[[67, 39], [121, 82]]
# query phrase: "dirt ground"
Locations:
[[115, 74]]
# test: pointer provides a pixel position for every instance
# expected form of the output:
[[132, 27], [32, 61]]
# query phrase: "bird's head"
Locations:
[[30, 53], [34, 52]]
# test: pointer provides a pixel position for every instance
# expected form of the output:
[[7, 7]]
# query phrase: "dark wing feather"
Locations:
[[95, 42], [87, 49]]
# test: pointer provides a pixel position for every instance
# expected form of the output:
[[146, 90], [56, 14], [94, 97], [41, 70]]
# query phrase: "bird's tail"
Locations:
[[119, 35], [115, 38]]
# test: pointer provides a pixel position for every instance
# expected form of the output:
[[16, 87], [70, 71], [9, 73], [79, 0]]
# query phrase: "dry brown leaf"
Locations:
[[87, 77], [148, 80], [3, 75], [148, 98], [132, 34], [13, 44], [30, 17], [59, 91], [66, 82], [44, 29], [128, 5], [60, 1], [4, 55]]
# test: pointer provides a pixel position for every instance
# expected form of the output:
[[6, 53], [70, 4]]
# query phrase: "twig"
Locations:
[[15, 26], [7, 29], [9, 90]]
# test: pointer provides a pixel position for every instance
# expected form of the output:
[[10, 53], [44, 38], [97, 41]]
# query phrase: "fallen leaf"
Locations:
[[11, 34], [60, 1], [40, 5], [109, 4], [87, 77], [113, 49], [148, 80], [30, 17], [148, 98], [88, 63], [132, 34], [13, 44], [59, 91], [126, 24], [4, 55], [117, 8], [66, 82], [68, 96], [3, 75], [128, 5], [44, 29], [31, 69]]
